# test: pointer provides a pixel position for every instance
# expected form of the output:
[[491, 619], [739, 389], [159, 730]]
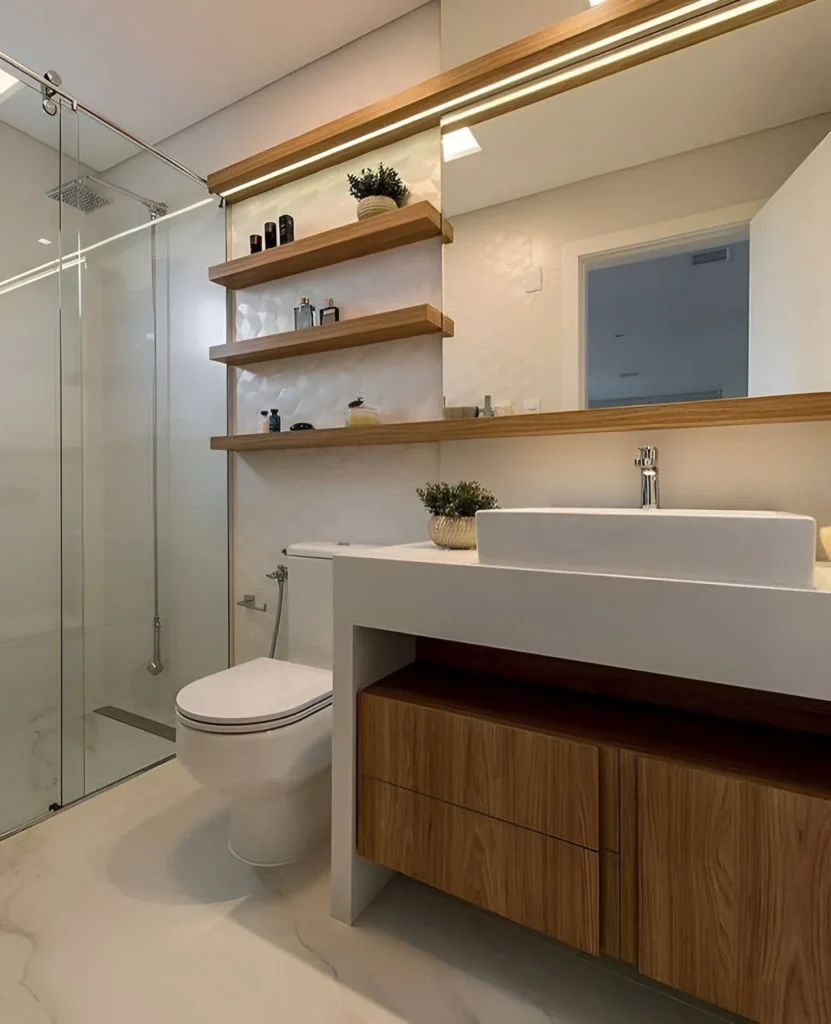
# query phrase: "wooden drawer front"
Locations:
[[543, 782], [522, 875]]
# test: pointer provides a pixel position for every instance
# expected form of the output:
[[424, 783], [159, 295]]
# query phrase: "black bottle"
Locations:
[[330, 314], [256, 243], [286, 229], [274, 422], [270, 235]]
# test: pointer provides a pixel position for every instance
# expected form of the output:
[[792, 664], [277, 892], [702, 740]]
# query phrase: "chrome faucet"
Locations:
[[647, 463]]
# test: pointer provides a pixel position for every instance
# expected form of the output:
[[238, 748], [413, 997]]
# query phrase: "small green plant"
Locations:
[[456, 501], [383, 181]]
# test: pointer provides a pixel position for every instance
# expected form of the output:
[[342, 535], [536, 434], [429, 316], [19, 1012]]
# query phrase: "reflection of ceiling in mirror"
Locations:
[[767, 74]]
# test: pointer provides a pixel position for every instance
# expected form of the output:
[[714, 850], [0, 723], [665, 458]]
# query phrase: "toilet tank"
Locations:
[[310, 603]]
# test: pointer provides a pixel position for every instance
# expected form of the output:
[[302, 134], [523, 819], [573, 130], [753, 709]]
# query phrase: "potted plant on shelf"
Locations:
[[454, 508], [379, 190]]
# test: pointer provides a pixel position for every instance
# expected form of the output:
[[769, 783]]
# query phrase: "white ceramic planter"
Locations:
[[373, 205], [457, 533]]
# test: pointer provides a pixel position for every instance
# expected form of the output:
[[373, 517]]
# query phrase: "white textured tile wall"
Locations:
[[322, 200], [348, 494], [402, 380], [375, 284]]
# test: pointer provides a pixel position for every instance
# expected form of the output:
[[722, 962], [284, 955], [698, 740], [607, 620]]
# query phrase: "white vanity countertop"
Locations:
[[764, 638]]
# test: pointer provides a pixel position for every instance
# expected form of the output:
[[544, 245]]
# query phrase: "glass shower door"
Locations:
[[150, 502], [30, 459]]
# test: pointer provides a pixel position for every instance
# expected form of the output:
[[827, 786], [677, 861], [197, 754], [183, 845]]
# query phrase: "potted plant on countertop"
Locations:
[[378, 190], [454, 508]]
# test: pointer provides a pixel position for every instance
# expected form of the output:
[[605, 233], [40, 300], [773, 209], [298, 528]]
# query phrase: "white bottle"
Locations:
[[264, 421]]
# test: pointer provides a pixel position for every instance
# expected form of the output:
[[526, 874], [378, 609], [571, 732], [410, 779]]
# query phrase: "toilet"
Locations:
[[261, 732]]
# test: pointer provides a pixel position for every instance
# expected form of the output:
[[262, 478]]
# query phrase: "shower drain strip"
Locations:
[[165, 732]]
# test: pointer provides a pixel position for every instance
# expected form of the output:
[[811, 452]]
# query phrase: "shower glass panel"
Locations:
[[114, 543], [30, 441], [154, 594]]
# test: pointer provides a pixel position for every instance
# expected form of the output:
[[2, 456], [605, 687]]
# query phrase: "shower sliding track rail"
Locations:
[[52, 87]]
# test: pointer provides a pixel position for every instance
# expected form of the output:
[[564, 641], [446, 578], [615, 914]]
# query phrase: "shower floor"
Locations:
[[30, 763]]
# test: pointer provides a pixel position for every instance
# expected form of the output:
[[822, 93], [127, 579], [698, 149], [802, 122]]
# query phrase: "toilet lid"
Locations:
[[260, 692]]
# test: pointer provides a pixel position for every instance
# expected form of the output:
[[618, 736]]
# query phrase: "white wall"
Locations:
[[781, 467], [368, 494], [790, 271], [509, 341]]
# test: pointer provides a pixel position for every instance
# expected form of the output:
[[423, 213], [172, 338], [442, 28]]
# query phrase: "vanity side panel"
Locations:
[[547, 783], [548, 885]]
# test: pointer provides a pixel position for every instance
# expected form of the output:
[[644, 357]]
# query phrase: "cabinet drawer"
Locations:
[[540, 781], [522, 875]]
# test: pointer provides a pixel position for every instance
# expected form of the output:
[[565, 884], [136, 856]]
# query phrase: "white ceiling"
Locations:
[[767, 74], [158, 66]]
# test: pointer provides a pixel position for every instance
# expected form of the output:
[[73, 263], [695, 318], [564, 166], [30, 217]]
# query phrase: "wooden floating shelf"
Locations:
[[715, 413], [406, 226], [412, 322]]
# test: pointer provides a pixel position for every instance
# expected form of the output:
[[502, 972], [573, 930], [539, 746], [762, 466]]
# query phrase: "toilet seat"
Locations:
[[257, 696]]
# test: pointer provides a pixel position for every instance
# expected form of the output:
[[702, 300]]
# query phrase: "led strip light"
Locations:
[[579, 53], [613, 58]]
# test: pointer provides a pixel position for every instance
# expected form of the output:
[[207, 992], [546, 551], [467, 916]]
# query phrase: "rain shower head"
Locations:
[[79, 195]]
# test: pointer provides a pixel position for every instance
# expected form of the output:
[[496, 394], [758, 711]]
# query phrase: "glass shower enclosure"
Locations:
[[114, 541]]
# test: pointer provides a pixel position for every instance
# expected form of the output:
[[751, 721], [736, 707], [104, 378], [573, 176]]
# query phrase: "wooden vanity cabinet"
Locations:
[[487, 805], [697, 849], [734, 883]]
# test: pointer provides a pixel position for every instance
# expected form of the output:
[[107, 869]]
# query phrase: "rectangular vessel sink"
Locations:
[[774, 549]]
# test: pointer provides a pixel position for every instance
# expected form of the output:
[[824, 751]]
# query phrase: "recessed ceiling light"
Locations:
[[460, 143], [8, 85], [596, 3], [45, 241]]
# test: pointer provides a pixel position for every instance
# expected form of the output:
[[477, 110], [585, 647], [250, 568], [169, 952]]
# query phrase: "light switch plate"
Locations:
[[532, 280]]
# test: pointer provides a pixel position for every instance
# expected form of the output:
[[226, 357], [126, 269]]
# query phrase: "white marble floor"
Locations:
[[129, 908]]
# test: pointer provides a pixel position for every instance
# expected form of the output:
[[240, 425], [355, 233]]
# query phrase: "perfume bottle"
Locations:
[[330, 314], [270, 235], [304, 315], [256, 243], [286, 229], [274, 422], [264, 427]]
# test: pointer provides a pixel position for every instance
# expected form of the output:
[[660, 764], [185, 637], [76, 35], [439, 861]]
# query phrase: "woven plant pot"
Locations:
[[457, 533], [373, 205]]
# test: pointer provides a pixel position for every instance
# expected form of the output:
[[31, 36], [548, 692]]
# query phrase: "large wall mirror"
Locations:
[[659, 235]]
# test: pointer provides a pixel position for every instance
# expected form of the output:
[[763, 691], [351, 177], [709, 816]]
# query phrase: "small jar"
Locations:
[[361, 415]]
